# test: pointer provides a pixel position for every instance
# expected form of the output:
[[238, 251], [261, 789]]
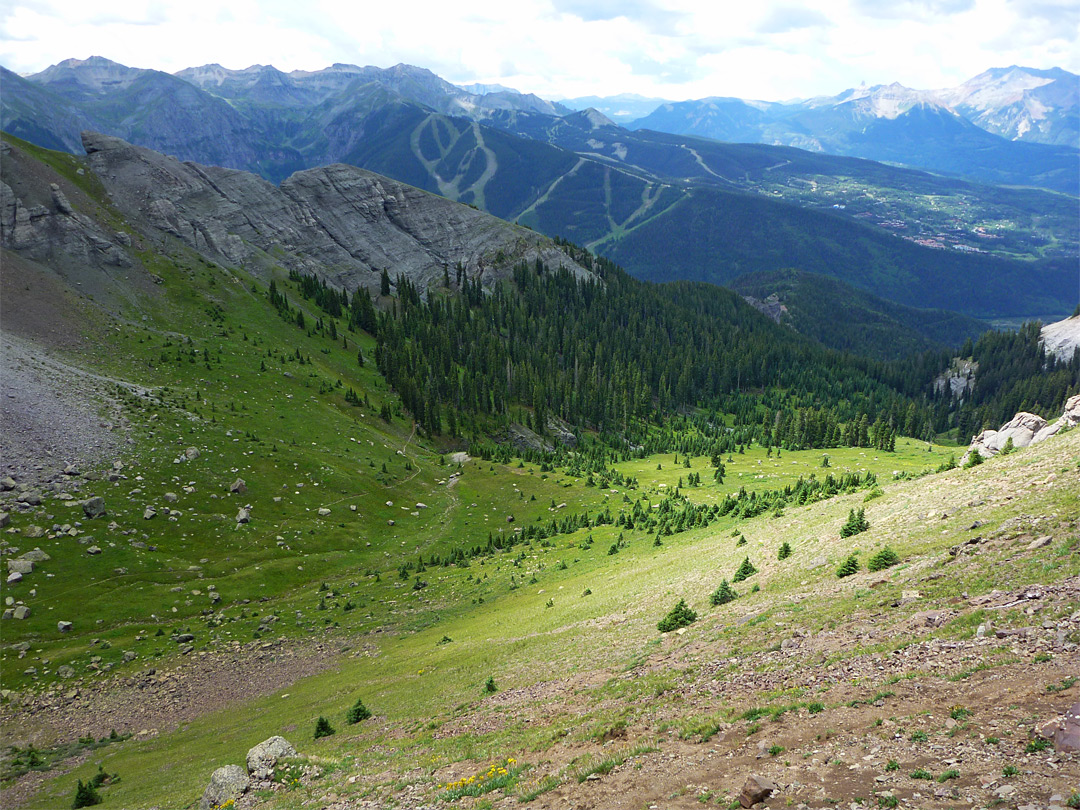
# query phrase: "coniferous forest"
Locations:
[[624, 357]]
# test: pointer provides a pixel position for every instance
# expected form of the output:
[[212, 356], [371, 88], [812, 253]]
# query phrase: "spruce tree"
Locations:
[[746, 569], [886, 558], [785, 551], [724, 594], [680, 616], [848, 567], [357, 712], [85, 796], [323, 728]]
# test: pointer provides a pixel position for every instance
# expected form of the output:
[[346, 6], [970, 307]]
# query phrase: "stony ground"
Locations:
[[971, 706], [53, 415]]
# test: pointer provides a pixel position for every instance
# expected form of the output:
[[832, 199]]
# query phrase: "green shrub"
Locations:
[[1035, 746], [724, 594], [886, 558], [745, 569], [785, 551], [680, 616], [892, 765], [919, 736], [921, 773], [1010, 770], [887, 800], [815, 708], [952, 773], [323, 727], [974, 460], [357, 712], [848, 567]]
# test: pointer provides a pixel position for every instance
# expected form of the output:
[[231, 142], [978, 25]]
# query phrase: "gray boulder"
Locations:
[[244, 515], [63, 627], [22, 612], [263, 757], [35, 555], [239, 486], [229, 782], [20, 566], [64, 671], [14, 577], [5, 519], [94, 507]]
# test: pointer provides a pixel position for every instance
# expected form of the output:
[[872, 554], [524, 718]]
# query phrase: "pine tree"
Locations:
[[886, 558], [85, 796], [323, 728], [848, 567], [746, 569], [357, 712], [680, 616], [724, 594], [785, 551]]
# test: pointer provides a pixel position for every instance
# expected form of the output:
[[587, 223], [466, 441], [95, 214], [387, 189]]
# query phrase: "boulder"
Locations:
[[1063, 730], [93, 550], [7, 484], [64, 671], [263, 757], [35, 555], [244, 515], [323, 511], [5, 519], [31, 498], [14, 577], [171, 497], [20, 566], [757, 789], [149, 513], [21, 612], [33, 532], [191, 453], [63, 627], [239, 486], [229, 782]]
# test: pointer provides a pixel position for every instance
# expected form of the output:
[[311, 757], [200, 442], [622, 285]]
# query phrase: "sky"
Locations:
[[672, 49]]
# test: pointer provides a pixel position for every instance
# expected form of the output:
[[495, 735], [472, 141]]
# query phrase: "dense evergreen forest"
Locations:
[[630, 360]]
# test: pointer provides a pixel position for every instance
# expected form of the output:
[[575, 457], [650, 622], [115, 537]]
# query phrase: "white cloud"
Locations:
[[671, 48]]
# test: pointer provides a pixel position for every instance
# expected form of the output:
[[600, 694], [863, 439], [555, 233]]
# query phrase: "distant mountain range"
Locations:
[[1017, 103], [1000, 127], [666, 206]]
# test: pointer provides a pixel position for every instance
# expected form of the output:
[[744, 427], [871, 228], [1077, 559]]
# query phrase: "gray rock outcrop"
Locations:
[[1024, 429], [228, 782], [337, 216], [1061, 339]]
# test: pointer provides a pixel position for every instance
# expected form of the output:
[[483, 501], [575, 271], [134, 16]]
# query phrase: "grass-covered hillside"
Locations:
[[277, 539]]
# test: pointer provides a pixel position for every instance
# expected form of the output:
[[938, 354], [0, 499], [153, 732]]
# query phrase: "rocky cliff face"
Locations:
[[1062, 338], [341, 223]]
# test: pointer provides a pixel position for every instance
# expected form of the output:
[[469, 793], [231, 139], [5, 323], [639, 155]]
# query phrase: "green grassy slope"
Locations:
[[264, 400]]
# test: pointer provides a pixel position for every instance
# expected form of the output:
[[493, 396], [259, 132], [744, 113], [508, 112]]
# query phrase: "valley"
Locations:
[[278, 535]]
